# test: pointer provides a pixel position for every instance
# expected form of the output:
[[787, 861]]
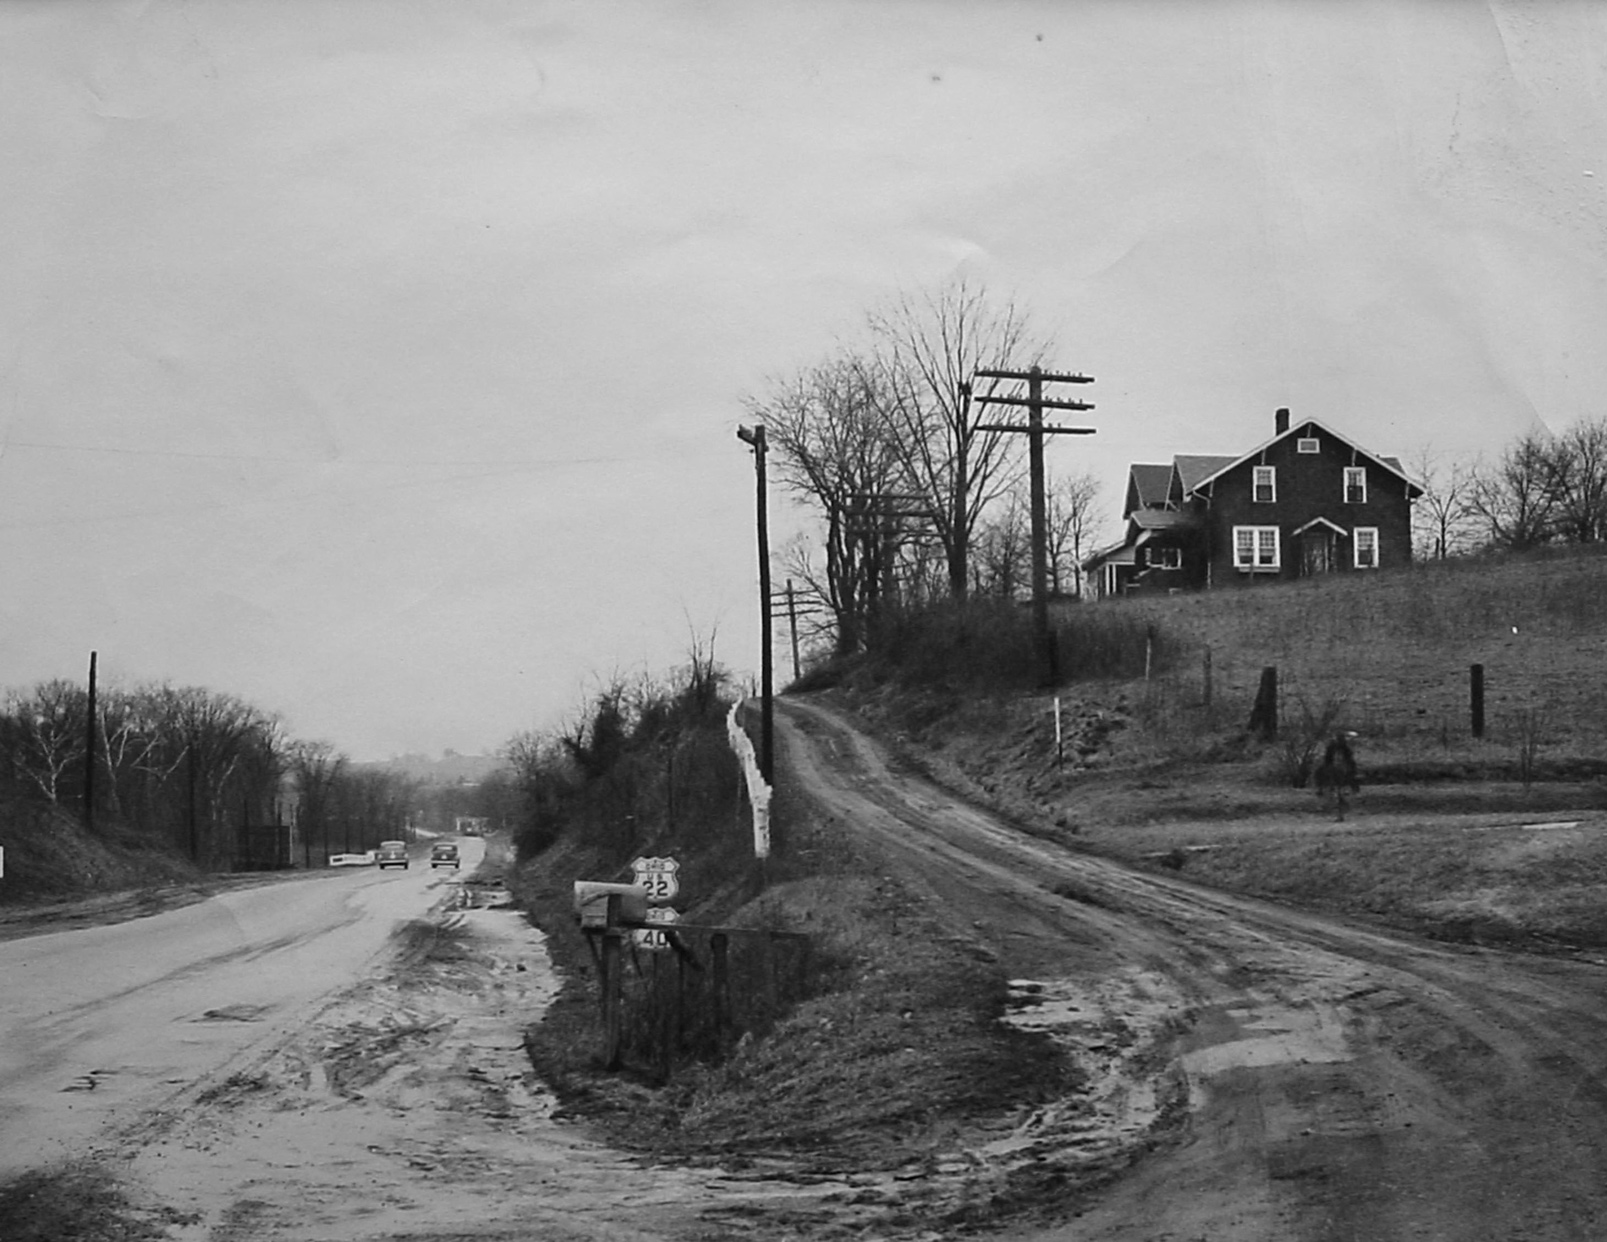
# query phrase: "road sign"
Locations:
[[659, 876], [655, 941]]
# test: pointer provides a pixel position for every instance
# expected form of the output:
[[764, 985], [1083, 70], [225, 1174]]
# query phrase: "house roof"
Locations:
[[1148, 485], [1321, 521], [1161, 519], [1117, 553], [1392, 464], [1193, 468]]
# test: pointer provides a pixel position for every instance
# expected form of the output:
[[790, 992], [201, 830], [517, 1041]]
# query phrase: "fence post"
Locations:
[[719, 951], [1264, 716], [666, 1016], [1477, 686], [1207, 700], [613, 984]]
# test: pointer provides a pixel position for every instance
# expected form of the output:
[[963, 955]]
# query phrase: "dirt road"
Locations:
[[1333, 1082]]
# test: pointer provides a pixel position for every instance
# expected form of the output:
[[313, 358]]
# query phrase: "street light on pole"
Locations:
[[754, 436]]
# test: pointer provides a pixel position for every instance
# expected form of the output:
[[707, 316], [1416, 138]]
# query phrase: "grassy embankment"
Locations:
[[52, 866], [863, 1054], [1500, 839]]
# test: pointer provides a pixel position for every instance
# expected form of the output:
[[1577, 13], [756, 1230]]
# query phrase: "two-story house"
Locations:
[[1308, 501]]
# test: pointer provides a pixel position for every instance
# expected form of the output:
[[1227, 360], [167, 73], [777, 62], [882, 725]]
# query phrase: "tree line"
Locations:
[[203, 772], [645, 755], [1543, 488], [918, 496]]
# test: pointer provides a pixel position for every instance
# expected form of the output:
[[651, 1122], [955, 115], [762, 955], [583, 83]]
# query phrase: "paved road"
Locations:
[[101, 1024]]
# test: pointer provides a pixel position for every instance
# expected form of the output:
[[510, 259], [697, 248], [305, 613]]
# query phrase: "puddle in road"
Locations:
[[1115, 1028], [234, 1013], [1272, 1032]]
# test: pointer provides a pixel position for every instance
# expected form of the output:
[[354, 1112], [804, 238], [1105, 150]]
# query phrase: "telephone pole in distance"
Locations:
[[1035, 403]]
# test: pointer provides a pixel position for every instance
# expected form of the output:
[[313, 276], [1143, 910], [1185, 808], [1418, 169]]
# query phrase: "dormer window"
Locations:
[[1355, 485], [1264, 486]]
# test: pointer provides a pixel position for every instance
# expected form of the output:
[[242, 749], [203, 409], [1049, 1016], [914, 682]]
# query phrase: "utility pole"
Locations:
[[755, 437], [1036, 403], [792, 618], [879, 518], [89, 753], [796, 606]]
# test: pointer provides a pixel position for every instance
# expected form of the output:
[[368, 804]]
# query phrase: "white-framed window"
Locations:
[[1308, 444], [1264, 485], [1165, 558], [1355, 485], [1255, 548], [1365, 540]]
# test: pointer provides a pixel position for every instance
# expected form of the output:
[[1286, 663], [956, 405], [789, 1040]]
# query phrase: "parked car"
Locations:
[[444, 854], [392, 854]]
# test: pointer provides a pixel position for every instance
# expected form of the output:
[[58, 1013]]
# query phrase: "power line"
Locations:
[[340, 460]]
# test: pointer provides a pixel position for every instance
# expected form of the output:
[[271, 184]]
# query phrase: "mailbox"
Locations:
[[600, 906]]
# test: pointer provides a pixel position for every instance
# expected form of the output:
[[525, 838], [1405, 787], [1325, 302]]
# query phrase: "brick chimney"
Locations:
[[1281, 421]]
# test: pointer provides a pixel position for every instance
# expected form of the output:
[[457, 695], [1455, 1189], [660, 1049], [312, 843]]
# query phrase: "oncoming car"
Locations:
[[444, 854], [391, 854]]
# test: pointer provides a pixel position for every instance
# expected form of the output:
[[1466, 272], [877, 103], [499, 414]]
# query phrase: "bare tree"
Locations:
[[929, 347], [1514, 499], [42, 735], [316, 768], [1073, 517], [1578, 464], [141, 750], [1001, 554], [1443, 517], [216, 731], [833, 447]]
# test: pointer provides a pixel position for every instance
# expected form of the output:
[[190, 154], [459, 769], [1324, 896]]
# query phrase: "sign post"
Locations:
[[661, 878]]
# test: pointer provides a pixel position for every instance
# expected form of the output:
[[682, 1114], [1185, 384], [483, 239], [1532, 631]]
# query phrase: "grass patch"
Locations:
[[1490, 878], [80, 1203]]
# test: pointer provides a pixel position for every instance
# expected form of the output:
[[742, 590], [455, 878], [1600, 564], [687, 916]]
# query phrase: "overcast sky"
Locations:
[[380, 362]]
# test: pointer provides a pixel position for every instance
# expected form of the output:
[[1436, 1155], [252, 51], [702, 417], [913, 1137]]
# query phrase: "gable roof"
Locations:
[[1194, 468], [1211, 475], [1147, 486]]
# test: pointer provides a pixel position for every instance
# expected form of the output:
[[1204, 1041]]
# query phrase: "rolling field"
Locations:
[[1391, 655]]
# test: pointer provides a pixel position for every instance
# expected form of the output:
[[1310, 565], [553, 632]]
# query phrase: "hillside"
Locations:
[[1496, 839], [49, 859], [450, 769], [1390, 653]]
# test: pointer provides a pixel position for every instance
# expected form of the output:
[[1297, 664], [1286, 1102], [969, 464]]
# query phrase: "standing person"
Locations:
[[1337, 775]]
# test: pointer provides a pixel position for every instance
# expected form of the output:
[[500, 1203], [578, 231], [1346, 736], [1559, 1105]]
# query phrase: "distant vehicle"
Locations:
[[444, 854], [392, 854], [352, 860]]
